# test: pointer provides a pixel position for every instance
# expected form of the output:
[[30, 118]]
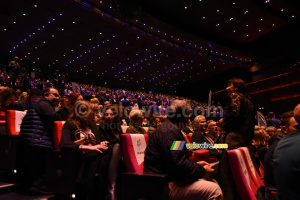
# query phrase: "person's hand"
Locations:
[[208, 169], [80, 141], [202, 163]]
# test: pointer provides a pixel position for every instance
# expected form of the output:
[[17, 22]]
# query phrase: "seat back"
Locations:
[[134, 146], [246, 155], [13, 121], [243, 180], [146, 129], [189, 136], [57, 129], [124, 128]]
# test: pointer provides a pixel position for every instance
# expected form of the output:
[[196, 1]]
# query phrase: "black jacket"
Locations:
[[159, 159], [22, 105], [239, 117], [37, 125]]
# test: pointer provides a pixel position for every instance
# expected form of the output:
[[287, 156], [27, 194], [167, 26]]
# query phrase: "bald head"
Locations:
[[297, 113]]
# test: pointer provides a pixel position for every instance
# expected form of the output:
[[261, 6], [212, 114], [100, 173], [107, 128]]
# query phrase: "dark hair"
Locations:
[[46, 91], [239, 84], [285, 118], [6, 93], [34, 91]]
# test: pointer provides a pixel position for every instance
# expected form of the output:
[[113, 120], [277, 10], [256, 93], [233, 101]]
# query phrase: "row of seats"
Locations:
[[61, 173]]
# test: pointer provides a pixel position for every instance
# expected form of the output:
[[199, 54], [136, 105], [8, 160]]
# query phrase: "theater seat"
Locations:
[[13, 121], [256, 177], [57, 129], [124, 128], [134, 146], [244, 182], [9, 143], [246, 155], [61, 166], [135, 183], [188, 138]]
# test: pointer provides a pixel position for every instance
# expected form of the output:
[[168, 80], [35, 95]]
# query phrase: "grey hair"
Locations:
[[179, 108]]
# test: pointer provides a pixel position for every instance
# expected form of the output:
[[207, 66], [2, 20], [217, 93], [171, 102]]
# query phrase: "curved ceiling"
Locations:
[[165, 46]]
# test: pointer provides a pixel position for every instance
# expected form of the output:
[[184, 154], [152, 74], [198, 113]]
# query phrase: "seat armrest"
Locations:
[[272, 189]]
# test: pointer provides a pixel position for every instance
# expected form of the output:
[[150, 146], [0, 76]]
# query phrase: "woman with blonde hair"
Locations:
[[136, 119], [260, 141]]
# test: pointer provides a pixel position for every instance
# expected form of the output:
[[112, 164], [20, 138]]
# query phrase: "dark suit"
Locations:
[[198, 137], [22, 105], [159, 159]]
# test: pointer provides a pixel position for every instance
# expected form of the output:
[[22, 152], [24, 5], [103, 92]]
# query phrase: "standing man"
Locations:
[[36, 137]]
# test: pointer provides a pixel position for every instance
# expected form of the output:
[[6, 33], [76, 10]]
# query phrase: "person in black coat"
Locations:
[[24, 104], [36, 136], [238, 124], [99, 158]]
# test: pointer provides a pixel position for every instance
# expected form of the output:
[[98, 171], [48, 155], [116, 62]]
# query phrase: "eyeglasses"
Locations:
[[55, 94]]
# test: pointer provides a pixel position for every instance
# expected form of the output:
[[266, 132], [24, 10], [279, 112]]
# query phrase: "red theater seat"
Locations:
[[13, 121], [244, 182], [246, 155], [134, 146], [135, 183], [57, 129]]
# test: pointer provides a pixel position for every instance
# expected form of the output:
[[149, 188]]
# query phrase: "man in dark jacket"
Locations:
[[36, 137], [184, 174], [24, 104]]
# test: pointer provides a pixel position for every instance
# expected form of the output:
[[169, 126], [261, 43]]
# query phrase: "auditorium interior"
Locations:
[[152, 52]]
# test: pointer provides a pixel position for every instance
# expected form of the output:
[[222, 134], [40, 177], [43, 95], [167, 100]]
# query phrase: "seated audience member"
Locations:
[[287, 163], [154, 123], [136, 119], [272, 120], [23, 96], [200, 135], [24, 104], [188, 129], [97, 154], [111, 123], [260, 142], [183, 174], [36, 137], [199, 127], [7, 99], [213, 130], [69, 104], [288, 125], [271, 130]]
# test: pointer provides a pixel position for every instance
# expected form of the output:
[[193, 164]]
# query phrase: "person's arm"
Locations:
[[235, 104], [68, 140], [180, 163], [197, 137], [67, 137], [46, 110]]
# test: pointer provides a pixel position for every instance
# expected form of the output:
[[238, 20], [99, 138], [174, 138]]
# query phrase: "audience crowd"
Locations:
[[94, 118]]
